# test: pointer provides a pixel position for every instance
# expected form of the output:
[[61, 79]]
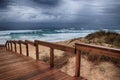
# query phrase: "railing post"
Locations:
[[27, 50], [20, 48], [15, 47], [11, 46], [8, 46], [51, 57], [37, 50], [78, 62]]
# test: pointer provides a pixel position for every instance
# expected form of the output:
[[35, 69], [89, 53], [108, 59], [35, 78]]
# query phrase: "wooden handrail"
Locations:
[[52, 46], [111, 52], [30, 42], [15, 41], [22, 42], [56, 46]]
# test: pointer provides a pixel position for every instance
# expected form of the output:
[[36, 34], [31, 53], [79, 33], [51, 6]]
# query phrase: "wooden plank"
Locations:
[[47, 73], [54, 76], [19, 70], [3, 56], [7, 58], [18, 73], [17, 65], [111, 52], [11, 61], [31, 73], [56, 46]]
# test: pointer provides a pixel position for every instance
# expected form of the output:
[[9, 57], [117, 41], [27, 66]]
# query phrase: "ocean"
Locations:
[[45, 34]]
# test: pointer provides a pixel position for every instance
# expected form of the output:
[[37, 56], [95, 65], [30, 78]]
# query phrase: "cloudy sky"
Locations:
[[80, 13]]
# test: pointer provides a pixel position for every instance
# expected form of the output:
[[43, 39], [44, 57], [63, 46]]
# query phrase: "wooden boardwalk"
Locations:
[[14, 66]]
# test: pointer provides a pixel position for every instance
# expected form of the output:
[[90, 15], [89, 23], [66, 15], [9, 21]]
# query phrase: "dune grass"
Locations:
[[108, 37]]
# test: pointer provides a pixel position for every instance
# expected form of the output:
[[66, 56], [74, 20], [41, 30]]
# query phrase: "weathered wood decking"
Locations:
[[18, 67]]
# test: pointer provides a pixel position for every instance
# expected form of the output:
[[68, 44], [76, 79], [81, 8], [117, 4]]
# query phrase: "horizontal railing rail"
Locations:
[[81, 47], [15, 41], [22, 42], [56, 46], [111, 52], [30, 42]]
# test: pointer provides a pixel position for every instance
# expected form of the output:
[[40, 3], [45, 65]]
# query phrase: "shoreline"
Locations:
[[45, 35]]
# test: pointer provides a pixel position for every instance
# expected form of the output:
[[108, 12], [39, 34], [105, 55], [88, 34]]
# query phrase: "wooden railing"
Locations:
[[111, 52], [100, 50], [52, 46]]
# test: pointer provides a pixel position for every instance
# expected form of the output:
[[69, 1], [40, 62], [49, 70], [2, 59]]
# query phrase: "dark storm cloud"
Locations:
[[50, 3], [79, 12], [115, 10], [75, 10], [3, 3]]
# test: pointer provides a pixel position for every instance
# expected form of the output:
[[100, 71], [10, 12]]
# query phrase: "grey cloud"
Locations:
[[98, 12], [49, 3], [3, 3]]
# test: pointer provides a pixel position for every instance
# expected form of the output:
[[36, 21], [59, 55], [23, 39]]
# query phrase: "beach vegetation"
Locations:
[[108, 37]]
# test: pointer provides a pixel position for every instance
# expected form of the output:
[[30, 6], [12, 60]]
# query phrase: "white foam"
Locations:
[[62, 36], [74, 31], [54, 36]]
